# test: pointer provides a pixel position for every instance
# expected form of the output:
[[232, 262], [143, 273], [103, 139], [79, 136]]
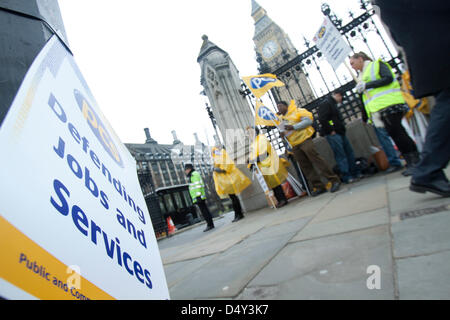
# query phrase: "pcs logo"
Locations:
[[258, 83], [98, 128], [266, 113], [322, 32]]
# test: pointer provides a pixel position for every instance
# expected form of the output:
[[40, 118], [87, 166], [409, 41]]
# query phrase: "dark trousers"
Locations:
[[236, 206], [393, 124], [436, 151], [308, 158], [388, 147], [205, 212], [279, 194], [344, 155]]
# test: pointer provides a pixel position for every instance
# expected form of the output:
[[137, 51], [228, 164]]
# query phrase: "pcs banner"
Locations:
[[73, 221]]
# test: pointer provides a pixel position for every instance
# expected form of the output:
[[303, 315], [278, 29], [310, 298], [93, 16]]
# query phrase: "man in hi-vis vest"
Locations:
[[385, 107], [198, 195]]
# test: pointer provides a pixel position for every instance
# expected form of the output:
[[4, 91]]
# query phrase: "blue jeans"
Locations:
[[387, 146], [344, 155], [436, 151]]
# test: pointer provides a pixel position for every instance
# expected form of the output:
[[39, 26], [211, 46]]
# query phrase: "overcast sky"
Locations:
[[139, 57]]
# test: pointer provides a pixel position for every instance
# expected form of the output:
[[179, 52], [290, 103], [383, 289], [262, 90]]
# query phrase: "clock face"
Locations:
[[269, 49]]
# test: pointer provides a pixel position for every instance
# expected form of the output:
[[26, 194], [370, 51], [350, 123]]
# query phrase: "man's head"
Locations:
[[337, 96], [188, 168], [282, 107], [357, 60]]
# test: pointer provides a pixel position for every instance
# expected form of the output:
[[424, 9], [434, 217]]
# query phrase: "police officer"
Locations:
[[198, 195]]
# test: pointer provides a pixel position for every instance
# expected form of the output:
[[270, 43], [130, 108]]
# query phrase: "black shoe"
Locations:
[[412, 160], [407, 172], [440, 187], [237, 218], [335, 187], [316, 192], [281, 204], [208, 228], [393, 169]]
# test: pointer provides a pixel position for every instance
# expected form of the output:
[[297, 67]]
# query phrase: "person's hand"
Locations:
[[289, 127], [282, 134], [360, 87]]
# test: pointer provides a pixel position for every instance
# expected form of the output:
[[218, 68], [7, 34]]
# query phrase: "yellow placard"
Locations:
[[29, 267]]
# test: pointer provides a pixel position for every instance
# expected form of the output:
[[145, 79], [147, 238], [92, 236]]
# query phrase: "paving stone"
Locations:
[[342, 225], [332, 267], [367, 197], [216, 241], [421, 235], [404, 200], [425, 277], [178, 271], [229, 272], [397, 181]]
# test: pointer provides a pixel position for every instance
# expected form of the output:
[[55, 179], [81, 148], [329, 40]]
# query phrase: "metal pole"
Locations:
[[318, 69], [300, 173], [289, 91], [299, 86], [311, 85], [365, 41]]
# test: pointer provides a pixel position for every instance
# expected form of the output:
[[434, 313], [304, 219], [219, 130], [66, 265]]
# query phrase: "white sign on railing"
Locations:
[[331, 43]]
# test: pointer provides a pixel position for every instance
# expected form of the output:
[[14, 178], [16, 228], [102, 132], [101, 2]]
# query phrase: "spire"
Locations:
[[149, 139], [175, 138], [261, 18], [197, 140], [258, 12], [255, 7], [207, 46]]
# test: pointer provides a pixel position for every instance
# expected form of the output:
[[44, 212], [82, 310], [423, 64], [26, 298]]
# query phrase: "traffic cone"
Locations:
[[170, 226]]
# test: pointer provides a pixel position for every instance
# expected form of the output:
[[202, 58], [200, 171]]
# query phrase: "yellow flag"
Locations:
[[262, 83], [264, 116]]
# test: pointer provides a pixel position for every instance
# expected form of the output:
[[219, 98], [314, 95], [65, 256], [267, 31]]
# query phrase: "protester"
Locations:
[[385, 107], [333, 128], [272, 167], [421, 29], [297, 128], [198, 195], [228, 179]]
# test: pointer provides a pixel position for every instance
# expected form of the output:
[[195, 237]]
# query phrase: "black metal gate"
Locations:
[[311, 60]]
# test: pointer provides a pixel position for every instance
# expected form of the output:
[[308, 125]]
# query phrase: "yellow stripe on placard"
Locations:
[[31, 268]]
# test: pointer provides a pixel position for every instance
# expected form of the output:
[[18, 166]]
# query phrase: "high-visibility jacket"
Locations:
[[196, 186], [292, 117], [273, 168], [377, 99], [233, 181]]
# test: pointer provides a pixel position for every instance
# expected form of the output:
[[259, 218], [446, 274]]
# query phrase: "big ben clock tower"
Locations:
[[274, 49]]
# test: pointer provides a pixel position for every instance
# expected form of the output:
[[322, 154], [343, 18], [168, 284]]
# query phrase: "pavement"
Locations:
[[373, 239]]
